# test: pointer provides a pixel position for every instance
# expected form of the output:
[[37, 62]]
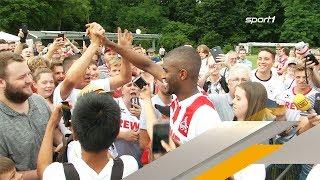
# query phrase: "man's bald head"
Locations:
[[187, 58]]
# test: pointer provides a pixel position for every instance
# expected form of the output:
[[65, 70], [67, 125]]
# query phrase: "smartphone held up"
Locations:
[[160, 132], [139, 82]]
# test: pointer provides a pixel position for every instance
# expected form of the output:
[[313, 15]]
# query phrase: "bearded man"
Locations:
[[23, 115]]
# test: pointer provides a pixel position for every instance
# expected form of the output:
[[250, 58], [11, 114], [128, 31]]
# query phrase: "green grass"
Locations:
[[253, 59]]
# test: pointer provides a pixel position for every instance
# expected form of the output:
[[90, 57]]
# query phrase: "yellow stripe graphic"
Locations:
[[238, 161]]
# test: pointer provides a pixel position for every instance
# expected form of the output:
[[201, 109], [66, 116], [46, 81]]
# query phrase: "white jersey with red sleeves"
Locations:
[[128, 121], [191, 117], [288, 96]]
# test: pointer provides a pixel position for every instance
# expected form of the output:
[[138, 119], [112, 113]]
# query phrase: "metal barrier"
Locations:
[[78, 35]]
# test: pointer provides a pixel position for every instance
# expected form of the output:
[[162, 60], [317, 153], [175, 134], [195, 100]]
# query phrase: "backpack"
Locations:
[[116, 172], [62, 156]]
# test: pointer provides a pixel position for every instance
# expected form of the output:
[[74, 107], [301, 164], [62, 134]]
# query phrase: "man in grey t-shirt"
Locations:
[[23, 115], [21, 134], [223, 102]]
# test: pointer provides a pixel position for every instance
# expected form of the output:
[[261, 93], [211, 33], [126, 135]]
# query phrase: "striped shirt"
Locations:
[[191, 117]]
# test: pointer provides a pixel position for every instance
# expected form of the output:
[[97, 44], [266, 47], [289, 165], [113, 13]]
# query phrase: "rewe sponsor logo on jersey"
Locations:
[[130, 125]]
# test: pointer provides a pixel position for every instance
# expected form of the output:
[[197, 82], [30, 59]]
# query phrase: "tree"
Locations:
[[71, 14], [144, 16], [100, 12], [105, 12], [221, 21], [176, 10], [211, 39], [211, 22], [35, 13], [176, 34], [302, 22], [267, 32], [44, 15]]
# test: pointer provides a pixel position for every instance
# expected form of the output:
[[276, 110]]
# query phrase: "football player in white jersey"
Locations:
[[192, 113]]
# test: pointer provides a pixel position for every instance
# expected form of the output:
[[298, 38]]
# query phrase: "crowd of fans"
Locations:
[[112, 119]]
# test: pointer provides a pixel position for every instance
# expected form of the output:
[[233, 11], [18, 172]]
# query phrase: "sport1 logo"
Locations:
[[252, 20]]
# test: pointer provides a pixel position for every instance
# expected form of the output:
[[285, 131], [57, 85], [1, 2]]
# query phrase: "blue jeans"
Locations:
[[305, 169]]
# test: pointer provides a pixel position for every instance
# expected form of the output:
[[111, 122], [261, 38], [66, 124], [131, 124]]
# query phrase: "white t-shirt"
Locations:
[[162, 51], [128, 121], [72, 98], [288, 96], [314, 174], [55, 170], [74, 151], [274, 85], [292, 113], [252, 172], [288, 81], [204, 118]]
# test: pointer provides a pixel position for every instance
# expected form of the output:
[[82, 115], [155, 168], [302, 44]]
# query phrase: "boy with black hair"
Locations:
[[95, 123]]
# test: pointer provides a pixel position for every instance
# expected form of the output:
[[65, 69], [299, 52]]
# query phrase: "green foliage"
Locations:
[[143, 16], [171, 41], [227, 48], [72, 14], [211, 39], [36, 14], [177, 34], [101, 12], [253, 59], [210, 22], [44, 15], [302, 22], [177, 10]]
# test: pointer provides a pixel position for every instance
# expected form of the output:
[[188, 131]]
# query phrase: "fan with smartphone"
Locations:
[[24, 29], [160, 132], [216, 51], [139, 82]]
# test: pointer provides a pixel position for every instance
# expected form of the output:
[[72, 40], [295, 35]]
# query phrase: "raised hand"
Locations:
[[145, 93], [57, 44], [310, 64], [221, 58], [67, 42], [55, 116], [125, 38], [96, 33]]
